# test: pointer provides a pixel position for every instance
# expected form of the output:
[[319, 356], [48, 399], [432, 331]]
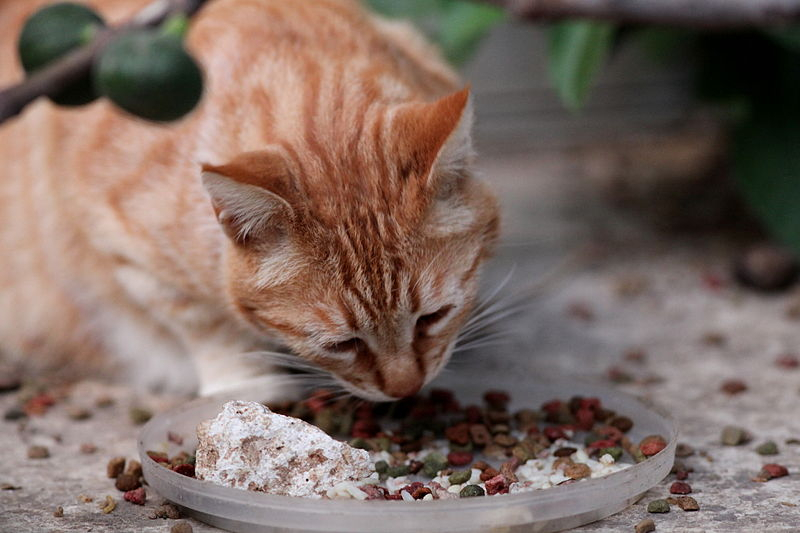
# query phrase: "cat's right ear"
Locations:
[[249, 196]]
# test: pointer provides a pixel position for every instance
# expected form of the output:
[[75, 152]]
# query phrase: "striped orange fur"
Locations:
[[320, 198]]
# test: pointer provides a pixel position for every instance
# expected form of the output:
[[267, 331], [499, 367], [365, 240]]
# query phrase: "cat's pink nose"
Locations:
[[403, 387]]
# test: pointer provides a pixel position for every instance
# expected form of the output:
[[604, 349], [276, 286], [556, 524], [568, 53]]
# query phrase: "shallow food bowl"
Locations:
[[545, 510]]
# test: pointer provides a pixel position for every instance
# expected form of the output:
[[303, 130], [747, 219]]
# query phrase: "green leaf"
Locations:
[[577, 49], [463, 26]]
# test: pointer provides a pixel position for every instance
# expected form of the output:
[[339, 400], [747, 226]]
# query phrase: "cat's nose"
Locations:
[[403, 386]]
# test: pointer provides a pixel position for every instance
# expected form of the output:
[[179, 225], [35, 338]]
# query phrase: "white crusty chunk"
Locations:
[[247, 446]]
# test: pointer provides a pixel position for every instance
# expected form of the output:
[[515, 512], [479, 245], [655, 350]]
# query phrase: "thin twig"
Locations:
[[703, 14], [50, 80]]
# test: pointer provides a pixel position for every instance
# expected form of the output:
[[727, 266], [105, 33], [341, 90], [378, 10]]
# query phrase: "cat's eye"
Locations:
[[344, 346], [426, 321]]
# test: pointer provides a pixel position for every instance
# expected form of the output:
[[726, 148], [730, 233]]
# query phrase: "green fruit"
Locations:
[[149, 74], [52, 32]]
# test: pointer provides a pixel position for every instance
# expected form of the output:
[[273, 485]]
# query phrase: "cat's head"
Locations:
[[362, 256]]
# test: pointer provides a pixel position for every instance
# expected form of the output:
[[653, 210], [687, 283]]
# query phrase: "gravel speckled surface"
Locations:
[[669, 296]]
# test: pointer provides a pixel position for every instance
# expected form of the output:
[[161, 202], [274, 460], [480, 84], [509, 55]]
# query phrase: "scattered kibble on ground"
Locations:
[[787, 361], [115, 467], [59, 512], [87, 448], [139, 415], [645, 526], [126, 482], [181, 527], [166, 510], [687, 503], [658, 506], [108, 505], [680, 487], [733, 386], [38, 452], [768, 448], [136, 496], [734, 436], [683, 450], [771, 471]]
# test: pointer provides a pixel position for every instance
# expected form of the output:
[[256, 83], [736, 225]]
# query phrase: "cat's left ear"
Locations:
[[250, 196], [435, 139]]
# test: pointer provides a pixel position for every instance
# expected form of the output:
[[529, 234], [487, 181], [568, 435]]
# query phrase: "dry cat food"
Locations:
[[420, 448]]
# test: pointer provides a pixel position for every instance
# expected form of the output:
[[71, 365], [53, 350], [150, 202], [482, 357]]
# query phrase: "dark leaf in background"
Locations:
[[577, 51]]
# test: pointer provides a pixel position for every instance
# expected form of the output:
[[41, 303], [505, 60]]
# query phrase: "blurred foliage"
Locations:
[[577, 51], [457, 26]]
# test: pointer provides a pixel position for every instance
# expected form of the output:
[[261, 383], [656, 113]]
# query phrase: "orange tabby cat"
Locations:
[[320, 198]]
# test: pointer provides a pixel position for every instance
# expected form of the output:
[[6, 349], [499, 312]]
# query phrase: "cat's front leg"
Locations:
[[229, 366]]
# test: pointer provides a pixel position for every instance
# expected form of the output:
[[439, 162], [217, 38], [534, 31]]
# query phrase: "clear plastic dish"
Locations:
[[547, 510]]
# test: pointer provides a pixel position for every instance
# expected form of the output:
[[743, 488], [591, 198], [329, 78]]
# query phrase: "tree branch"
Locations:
[[51, 79], [703, 14]]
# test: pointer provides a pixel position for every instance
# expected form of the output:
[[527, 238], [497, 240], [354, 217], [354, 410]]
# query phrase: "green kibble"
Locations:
[[381, 467], [590, 438], [768, 448], [360, 443], [658, 506], [615, 452], [397, 471], [139, 415], [460, 477], [433, 463], [383, 444], [734, 436], [471, 490]]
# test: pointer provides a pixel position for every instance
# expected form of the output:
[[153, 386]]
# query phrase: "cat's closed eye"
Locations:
[[426, 321], [344, 346]]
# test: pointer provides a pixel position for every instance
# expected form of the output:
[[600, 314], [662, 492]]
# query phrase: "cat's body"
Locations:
[[351, 210]]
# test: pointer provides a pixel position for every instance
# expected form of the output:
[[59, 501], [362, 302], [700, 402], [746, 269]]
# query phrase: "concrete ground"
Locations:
[[628, 286]]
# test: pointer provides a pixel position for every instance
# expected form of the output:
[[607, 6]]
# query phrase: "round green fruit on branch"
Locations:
[[149, 74], [51, 33]]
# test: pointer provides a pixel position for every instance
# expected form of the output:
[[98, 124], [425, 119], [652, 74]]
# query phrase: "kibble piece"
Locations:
[[460, 477], [134, 468], [88, 448], [771, 471], [734, 436], [679, 487], [687, 503], [165, 511], [645, 526], [683, 450], [578, 471], [126, 482], [733, 386], [768, 448], [108, 505], [181, 527], [59, 512], [614, 451], [652, 444], [115, 467], [38, 452], [658, 506], [622, 423], [140, 415], [471, 490], [136, 496], [78, 413]]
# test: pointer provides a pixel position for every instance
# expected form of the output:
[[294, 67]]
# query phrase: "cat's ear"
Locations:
[[249, 196], [435, 139]]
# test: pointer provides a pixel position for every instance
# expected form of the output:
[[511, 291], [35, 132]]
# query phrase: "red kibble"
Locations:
[[318, 400], [554, 433], [585, 419], [497, 399], [474, 414], [394, 496], [497, 485], [184, 469], [610, 433], [364, 429], [552, 407], [590, 403], [602, 443], [679, 487], [458, 434], [459, 458], [441, 396], [158, 457], [787, 361], [364, 412], [39, 404], [774, 470], [680, 475], [652, 445], [733, 386], [136, 496], [423, 411], [420, 492], [374, 492]]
